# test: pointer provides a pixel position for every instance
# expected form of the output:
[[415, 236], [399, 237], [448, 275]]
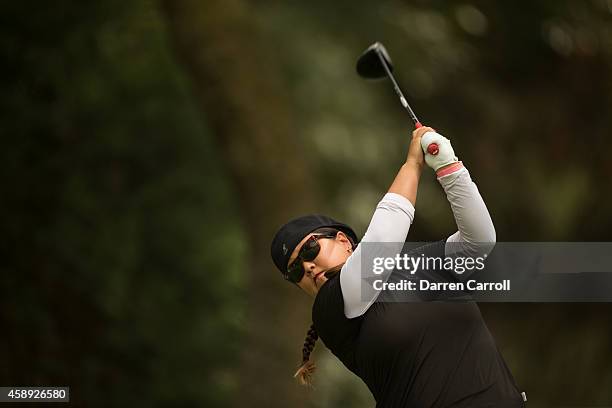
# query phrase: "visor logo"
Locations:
[[285, 250]]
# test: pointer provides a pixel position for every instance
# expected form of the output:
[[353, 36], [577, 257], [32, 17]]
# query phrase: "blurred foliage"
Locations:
[[124, 253], [114, 210]]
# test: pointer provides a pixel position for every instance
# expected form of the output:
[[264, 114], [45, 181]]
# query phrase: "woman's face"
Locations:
[[334, 251]]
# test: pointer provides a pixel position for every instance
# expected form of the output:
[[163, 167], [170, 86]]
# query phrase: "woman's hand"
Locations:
[[415, 152], [445, 155]]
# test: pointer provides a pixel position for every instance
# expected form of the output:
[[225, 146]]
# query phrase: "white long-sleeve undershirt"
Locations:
[[392, 219], [476, 233], [390, 223]]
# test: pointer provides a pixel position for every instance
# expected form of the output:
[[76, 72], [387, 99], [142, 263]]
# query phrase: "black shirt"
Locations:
[[417, 354]]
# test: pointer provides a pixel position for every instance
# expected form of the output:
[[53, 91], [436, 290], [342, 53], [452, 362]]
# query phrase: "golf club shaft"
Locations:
[[398, 91]]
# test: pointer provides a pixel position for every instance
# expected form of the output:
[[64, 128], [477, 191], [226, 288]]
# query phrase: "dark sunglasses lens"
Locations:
[[311, 250], [295, 271]]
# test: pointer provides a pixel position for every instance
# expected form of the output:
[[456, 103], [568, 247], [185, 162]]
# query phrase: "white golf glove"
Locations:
[[445, 155]]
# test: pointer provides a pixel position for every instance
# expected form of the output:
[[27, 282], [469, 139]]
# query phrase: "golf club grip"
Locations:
[[417, 125]]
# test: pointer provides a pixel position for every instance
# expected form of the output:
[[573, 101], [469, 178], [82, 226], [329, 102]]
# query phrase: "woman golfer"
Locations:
[[409, 354]]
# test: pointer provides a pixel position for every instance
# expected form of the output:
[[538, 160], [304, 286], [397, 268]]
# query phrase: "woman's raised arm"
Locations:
[[390, 223], [476, 233]]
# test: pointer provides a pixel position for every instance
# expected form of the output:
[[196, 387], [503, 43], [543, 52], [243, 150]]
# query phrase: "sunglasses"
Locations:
[[308, 252]]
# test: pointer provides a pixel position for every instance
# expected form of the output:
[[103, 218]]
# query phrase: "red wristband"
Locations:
[[450, 169]]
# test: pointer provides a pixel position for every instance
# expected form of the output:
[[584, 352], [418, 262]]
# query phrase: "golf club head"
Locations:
[[369, 64]]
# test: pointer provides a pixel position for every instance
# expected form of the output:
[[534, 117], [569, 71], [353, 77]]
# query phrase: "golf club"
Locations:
[[375, 63]]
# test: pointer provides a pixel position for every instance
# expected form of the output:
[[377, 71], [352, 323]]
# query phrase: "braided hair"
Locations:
[[304, 373], [306, 370]]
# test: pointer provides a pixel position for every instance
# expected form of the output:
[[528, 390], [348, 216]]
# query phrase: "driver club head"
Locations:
[[375, 63], [369, 64]]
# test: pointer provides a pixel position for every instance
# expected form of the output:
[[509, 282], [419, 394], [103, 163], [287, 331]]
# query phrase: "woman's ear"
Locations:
[[344, 240]]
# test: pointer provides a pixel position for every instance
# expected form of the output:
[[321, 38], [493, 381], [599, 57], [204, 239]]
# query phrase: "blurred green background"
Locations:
[[151, 149]]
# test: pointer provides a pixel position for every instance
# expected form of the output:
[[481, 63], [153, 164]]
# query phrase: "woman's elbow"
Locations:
[[481, 242], [488, 240]]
